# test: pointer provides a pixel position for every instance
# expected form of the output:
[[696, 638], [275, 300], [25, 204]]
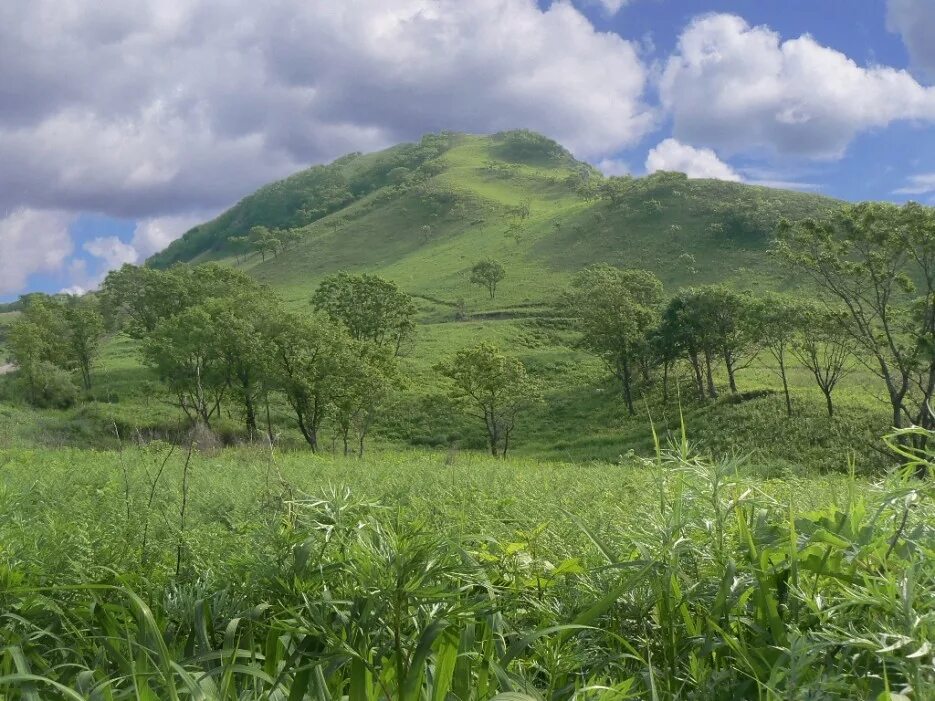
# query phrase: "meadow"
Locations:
[[157, 572]]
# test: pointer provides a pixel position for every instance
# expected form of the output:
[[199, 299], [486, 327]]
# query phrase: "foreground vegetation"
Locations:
[[155, 572]]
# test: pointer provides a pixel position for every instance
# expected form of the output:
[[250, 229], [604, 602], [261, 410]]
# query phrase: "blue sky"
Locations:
[[122, 125]]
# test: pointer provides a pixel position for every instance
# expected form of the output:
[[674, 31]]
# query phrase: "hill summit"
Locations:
[[423, 213]]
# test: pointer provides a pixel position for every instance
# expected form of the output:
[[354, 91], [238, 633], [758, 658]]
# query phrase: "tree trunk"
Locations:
[[696, 367], [712, 390], [250, 411], [731, 379], [665, 382], [828, 404], [785, 386], [627, 389], [269, 424]]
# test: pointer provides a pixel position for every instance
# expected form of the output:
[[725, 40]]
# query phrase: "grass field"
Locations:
[[255, 575]]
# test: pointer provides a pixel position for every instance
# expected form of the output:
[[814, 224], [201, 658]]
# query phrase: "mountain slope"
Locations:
[[422, 214]]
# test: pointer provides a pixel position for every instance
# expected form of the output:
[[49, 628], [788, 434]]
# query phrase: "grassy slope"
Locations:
[[467, 205]]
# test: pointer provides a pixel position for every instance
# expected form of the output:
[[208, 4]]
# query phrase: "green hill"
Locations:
[[422, 214]]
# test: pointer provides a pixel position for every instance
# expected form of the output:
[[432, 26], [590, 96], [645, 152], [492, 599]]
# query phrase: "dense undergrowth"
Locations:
[[158, 573]]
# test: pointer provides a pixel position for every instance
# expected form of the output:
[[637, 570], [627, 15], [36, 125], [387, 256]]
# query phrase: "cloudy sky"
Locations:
[[124, 122]]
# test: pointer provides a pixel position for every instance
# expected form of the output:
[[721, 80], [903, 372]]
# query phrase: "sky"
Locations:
[[125, 122]]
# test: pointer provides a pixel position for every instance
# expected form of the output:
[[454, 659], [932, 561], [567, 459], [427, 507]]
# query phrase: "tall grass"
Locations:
[[403, 578]]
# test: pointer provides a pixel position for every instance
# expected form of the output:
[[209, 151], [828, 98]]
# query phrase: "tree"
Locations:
[[264, 241], [712, 322], [877, 261], [184, 351], [64, 333], [824, 346], [373, 310], [361, 396], [777, 319], [84, 328], [240, 341], [312, 358], [616, 310], [495, 388], [488, 273], [135, 299]]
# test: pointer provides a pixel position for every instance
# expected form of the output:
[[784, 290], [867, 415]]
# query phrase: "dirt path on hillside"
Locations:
[[6, 369]]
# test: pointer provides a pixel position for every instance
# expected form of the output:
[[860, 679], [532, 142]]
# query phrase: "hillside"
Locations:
[[422, 214]]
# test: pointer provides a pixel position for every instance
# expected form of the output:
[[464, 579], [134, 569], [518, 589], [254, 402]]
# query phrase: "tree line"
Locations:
[[216, 337], [868, 300]]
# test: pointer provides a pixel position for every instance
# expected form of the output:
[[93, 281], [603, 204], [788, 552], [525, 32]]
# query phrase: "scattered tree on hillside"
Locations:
[[56, 333], [264, 242], [488, 273], [84, 328], [496, 389], [825, 347], [878, 262], [616, 310], [363, 395], [312, 359], [777, 319], [135, 299], [372, 309], [185, 353]]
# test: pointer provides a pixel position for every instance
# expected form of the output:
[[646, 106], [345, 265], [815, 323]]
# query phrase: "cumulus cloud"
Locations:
[[156, 108], [739, 88], [153, 235], [915, 21], [31, 242], [613, 166], [112, 251], [921, 184], [613, 6], [694, 162]]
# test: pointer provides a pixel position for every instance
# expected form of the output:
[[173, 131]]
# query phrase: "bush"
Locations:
[[49, 387]]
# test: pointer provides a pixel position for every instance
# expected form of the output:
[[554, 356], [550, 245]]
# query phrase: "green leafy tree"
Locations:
[[488, 273], [362, 395], [777, 319], [65, 333], [877, 261], [825, 347], [312, 359], [373, 310], [713, 322], [184, 352], [616, 311], [494, 387], [135, 299], [84, 329], [239, 320]]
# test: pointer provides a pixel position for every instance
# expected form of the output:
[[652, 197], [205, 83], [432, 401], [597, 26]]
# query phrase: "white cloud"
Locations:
[[613, 6], [739, 88], [613, 166], [153, 235], [915, 21], [32, 242], [694, 162], [158, 108], [112, 251], [74, 290], [921, 184]]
